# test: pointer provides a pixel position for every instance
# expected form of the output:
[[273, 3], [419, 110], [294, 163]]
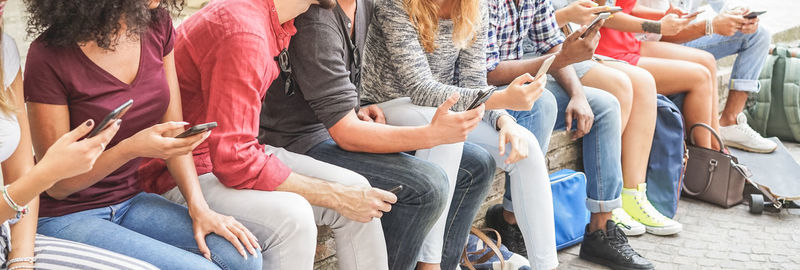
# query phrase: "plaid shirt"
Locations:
[[509, 24]]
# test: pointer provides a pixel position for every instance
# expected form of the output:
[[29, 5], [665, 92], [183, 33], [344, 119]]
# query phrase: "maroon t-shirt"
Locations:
[[66, 76]]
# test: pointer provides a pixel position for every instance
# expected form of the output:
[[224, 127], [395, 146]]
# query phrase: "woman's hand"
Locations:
[[206, 221], [582, 11], [451, 127], [522, 93], [671, 24], [513, 133], [152, 143], [70, 157]]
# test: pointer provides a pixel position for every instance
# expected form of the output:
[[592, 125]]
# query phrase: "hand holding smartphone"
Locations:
[[611, 10], [197, 130], [483, 96], [112, 117], [396, 189]]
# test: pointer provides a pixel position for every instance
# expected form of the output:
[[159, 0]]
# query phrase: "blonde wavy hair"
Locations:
[[424, 16]]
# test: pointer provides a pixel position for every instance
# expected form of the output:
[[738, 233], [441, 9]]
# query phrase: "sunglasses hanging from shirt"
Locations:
[[286, 72]]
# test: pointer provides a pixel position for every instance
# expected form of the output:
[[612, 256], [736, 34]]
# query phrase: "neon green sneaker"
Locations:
[[632, 227], [635, 203]]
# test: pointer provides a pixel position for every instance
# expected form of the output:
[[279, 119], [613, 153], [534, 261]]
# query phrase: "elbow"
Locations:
[[345, 142], [492, 78], [58, 193]]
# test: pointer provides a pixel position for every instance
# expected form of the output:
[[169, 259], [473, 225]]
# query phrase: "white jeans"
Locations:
[[285, 223], [447, 156], [530, 185]]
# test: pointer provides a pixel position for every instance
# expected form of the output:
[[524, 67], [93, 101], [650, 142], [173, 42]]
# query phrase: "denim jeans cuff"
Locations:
[[745, 85], [596, 206], [507, 205]]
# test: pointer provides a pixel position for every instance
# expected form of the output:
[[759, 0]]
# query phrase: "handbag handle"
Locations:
[[712, 166], [489, 243], [713, 132]]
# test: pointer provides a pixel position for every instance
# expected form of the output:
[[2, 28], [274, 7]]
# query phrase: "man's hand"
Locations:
[[582, 11], [206, 221], [576, 49], [362, 204], [728, 23], [372, 113], [579, 109], [671, 24], [750, 26], [513, 133], [452, 127]]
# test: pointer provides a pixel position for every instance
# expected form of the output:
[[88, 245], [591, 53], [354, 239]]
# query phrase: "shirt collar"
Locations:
[[283, 32]]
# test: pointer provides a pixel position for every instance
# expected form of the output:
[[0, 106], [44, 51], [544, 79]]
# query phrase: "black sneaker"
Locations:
[[510, 234], [611, 249]]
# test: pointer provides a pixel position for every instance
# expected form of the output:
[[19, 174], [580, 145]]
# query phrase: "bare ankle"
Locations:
[[598, 221], [509, 217], [428, 266]]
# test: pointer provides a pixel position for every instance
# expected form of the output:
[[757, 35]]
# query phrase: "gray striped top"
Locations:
[[396, 65]]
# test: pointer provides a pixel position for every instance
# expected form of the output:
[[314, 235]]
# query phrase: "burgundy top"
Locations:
[[66, 76]]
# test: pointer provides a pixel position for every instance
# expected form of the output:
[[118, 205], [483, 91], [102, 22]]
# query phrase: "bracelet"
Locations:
[[21, 210], [21, 259], [22, 267], [709, 27]]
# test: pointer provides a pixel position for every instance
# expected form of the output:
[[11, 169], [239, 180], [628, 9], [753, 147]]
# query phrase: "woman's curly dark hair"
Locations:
[[62, 23]]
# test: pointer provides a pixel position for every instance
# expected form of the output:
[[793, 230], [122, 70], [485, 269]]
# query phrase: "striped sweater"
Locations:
[[396, 65]]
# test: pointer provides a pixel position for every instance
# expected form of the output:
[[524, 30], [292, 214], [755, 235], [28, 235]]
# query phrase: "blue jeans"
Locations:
[[474, 180], [418, 206], [150, 228], [601, 146], [752, 50]]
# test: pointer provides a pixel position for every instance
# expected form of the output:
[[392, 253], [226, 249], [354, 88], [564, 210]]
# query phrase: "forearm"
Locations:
[[626, 23], [317, 192], [24, 232], [183, 171], [693, 31], [25, 189], [569, 81], [384, 138], [561, 17], [108, 162], [508, 70]]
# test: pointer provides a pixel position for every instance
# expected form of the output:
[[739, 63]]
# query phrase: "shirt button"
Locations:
[[349, 25]]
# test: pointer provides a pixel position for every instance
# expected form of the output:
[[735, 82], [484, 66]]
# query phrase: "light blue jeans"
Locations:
[[150, 228], [752, 50], [601, 146]]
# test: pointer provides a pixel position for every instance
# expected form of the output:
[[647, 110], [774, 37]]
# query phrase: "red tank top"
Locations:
[[620, 45]]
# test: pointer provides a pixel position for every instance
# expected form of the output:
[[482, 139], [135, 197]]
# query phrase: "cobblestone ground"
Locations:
[[716, 238]]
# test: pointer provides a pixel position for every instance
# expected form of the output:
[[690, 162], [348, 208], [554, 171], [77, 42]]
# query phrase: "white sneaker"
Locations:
[[742, 136], [632, 227]]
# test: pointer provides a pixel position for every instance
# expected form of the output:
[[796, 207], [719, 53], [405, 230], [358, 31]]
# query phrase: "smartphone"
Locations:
[[483, 96], [611, 10], [545, 66], [396, 189], [693, 14], [197, 129], [754, 14], [601, 16], [112, 117]]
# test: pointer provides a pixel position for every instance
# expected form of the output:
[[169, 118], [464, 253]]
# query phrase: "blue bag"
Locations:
[[667, 158], [569, 207]]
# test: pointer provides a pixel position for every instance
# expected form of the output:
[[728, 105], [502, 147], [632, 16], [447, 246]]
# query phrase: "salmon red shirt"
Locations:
[[224, 55]]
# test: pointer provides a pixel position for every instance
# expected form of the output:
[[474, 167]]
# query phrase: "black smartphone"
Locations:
[[112, 117], [396, 189], [483, 96], [601, 16], [611, 10], [754, 14], [197, 129]]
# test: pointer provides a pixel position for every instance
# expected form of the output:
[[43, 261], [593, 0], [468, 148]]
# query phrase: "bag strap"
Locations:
[[712, 166], [487, 243], [713, 132]]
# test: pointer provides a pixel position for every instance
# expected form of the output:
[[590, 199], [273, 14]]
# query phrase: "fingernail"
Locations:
[[118, 122], [90, 123], [182, 123]]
